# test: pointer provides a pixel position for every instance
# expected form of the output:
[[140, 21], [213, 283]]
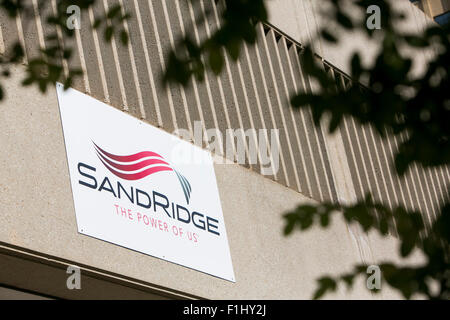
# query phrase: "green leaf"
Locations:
[[216, 60], [344, 20], [289, 227], [113, 11], [233, 49], [415, 41], [301, 100], [27, 81], [356, 66], [124, 37], [348, 280], [97, 23], [109, 31], [325, 284], [324, 220], [328, 36]]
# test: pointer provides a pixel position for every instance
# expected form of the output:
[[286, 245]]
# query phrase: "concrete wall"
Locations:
[[37, 216], [301, 19], [434, 8]]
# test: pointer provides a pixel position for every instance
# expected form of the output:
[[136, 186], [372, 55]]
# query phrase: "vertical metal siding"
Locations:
[[251, 93]]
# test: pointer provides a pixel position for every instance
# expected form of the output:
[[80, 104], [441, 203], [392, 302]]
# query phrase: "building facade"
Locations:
[[439, 10], [38, 232]]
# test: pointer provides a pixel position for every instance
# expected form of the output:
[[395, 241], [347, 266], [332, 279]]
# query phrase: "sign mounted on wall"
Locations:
[[131, 189]]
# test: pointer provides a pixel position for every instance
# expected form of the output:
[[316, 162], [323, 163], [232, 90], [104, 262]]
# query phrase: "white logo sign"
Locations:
[[129, 191]]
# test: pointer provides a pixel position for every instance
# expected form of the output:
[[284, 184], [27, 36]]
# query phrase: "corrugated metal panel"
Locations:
[[371, 158]]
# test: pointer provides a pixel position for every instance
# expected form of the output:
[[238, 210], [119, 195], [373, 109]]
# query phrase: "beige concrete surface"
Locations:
[[46, 277], [301, 19], [11, 294], [37, 214]]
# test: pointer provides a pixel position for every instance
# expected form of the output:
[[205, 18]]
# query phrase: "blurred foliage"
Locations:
[[397, 100], [47, 67], [393, 98], [388, 95], [190, 58], [410, 228]]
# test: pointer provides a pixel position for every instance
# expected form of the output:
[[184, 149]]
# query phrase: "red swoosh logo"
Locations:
[[161, 165], [138, 166], [129, 158], [132, 167]]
